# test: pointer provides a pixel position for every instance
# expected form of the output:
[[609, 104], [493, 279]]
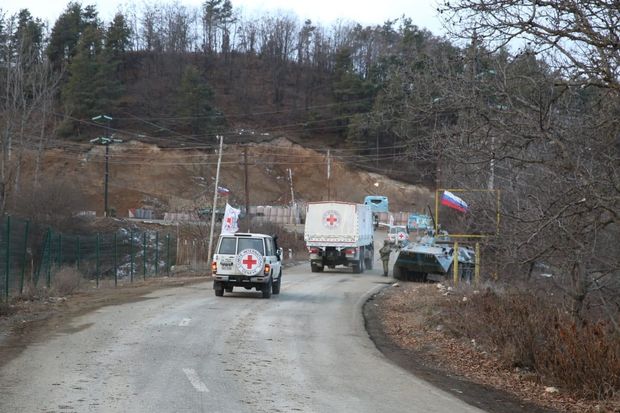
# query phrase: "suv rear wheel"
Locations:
[[267, 289], [276, 285]]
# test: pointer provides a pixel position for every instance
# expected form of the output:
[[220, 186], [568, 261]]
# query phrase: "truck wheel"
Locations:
[[267, 289], [276, 285], [316, 268], [369, 262], [219, 291], [358, 268]]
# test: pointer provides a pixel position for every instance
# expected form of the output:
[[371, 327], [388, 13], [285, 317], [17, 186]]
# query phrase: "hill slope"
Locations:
[[182, 179]]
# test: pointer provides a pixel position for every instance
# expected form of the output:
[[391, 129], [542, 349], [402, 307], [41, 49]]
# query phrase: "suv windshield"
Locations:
[[254, 243]]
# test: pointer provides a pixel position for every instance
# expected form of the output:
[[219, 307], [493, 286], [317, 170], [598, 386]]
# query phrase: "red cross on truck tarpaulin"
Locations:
[[249, 261], [229, 220], [401, 235], [331, 220]]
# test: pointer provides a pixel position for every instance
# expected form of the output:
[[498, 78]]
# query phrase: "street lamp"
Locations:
[[106, 141]]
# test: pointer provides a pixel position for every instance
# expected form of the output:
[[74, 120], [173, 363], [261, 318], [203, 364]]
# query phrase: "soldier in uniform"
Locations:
[[385, 256]]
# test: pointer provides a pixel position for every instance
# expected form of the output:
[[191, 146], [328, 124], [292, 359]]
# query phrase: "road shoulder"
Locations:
[[419, 363]]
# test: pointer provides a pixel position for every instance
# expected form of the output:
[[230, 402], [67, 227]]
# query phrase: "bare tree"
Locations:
[[543, 126]]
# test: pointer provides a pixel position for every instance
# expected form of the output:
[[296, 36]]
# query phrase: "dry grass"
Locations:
[[66, 280], [528, 331], [6, 309]]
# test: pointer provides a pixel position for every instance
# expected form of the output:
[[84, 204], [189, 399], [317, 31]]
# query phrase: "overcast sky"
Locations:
[[366, 12]]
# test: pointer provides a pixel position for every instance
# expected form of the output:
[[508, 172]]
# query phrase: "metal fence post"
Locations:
[[144, 255], [97, 260], [477, 268], [156, 253], [77, 252], [59, 259], [49, 258], [455, 263], [131, 256], [24, 258], [168, 254], [115, 263], [38, 272], [8, 257]]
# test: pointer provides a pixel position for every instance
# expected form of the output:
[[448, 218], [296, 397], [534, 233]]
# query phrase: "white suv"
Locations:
[[398, 236], [247, 260]]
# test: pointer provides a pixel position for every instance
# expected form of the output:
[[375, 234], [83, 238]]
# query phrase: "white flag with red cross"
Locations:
[[229, 223]]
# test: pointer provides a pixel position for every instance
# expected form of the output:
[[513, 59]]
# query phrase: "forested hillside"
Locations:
[[522, 100]]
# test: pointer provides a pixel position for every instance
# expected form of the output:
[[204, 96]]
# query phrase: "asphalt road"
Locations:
[[185, 350]]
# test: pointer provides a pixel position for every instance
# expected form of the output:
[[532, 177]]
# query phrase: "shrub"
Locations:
[[528, 330], [66, 280], [6, 309]]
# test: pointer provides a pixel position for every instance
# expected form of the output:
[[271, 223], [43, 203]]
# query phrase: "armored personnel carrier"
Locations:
[[432, 254]]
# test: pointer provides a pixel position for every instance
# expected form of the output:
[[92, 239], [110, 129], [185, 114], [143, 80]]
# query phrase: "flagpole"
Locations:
[[217, 178]]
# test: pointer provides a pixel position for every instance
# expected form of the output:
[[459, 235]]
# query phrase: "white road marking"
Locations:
[[193, 378], [185, 322]]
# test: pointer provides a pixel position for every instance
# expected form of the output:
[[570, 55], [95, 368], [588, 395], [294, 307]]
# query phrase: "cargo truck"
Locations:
[[339, 233]]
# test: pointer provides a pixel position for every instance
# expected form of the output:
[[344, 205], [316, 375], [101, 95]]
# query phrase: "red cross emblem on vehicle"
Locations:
[[401, 235], [331, 220], [249, 261], [229, 220]]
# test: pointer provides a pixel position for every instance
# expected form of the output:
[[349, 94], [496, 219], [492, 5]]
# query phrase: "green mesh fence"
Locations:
[[30, 255]]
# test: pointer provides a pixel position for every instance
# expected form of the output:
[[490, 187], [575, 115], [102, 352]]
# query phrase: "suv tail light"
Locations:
[[214, 267], [313, 250], [267, 269]]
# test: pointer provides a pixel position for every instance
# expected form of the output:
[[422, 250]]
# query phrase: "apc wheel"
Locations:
[[267, 289], [397, 273]]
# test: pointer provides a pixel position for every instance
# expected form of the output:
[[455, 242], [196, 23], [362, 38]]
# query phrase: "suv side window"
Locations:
[[254, 243], [227, 246], [270, 248]]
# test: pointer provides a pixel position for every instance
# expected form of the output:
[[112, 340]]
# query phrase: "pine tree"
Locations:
[[65, 36], [195, 103], [92, 86]]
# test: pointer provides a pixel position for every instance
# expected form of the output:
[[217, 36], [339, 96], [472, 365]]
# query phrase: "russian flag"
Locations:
[[452, 201], [223, 191]]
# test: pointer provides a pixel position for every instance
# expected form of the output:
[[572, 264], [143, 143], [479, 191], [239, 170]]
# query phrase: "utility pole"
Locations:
[[106, 140], [246, 188], [293, 206], [290, 179], [328, 175], [217, 179]]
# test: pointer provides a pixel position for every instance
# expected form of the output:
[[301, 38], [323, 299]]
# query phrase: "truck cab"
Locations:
[[377, 203]]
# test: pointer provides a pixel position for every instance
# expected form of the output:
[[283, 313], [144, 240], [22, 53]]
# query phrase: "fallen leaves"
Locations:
[[410, 316]]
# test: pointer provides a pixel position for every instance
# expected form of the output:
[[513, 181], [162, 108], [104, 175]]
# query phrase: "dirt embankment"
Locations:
[[182, 179]]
